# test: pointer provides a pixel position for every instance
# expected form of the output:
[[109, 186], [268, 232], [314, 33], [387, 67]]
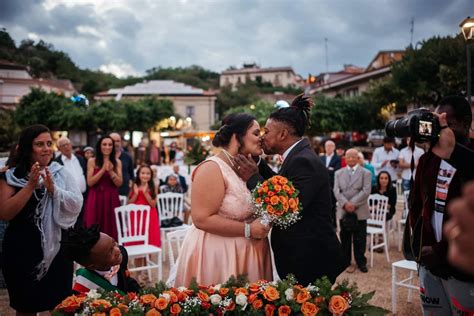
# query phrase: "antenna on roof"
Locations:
[[327, 56], [412, 29]]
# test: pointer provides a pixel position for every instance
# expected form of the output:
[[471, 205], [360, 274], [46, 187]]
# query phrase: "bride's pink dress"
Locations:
[[211, 258]]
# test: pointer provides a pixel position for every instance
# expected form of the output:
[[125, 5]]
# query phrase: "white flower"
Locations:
[[311, 288], [217, 287], [182, 288], [241, 299], [166, 296], [215, 299], [93, 294], [289, 293]]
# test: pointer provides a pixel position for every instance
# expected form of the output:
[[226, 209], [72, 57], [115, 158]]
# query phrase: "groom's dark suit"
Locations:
[[310, 248]]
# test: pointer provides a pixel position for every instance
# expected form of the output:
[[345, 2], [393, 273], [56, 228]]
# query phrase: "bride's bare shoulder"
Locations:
[[207, 171]]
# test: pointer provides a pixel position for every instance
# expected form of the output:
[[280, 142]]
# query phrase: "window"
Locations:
[[190, 111]]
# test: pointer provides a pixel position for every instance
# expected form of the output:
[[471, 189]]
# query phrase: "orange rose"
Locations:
[[277, 188], [252, 298], [254, 287], [284, 310], [302, 296], [283, 199], [98, 314], [123, 307], [309, 309], [241, 290], [71, 303], [285, 206], [115, 312], [338, 305], [153, 312], [271, 293], [173, 297], [231, 306], [265, 189], [148, 299], [203, 296], [279, 212], [257, 304], [283, 181], [182, 296], [274, 200], [271, 193], [269, 309], [274, 180], [223, 291], [318, 300], [292, 203], [270, 210], [286, 188], [258, 200], [101, 303], [161, 303], [260, 191], [175, 309]]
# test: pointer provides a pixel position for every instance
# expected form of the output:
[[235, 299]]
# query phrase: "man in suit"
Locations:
[[309, 249], [182, 180], [76, 166], [332, 163], [127, 164], [352, 187]]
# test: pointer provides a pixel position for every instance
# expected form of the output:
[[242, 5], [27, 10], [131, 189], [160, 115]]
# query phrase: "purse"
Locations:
[[171, 222]]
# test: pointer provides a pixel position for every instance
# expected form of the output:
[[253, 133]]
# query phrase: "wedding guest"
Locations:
[[172, 185], [88, 152], [127, 165], [406, 155], [182, 180], [39, 198], [104, 177], [104, 262], [155, 153], [386, 158], [144, 192]]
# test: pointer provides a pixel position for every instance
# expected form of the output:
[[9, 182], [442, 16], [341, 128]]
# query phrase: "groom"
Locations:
[[310, 248]]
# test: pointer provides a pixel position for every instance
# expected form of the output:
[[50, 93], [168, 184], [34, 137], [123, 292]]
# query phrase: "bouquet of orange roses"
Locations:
[[276, 201]]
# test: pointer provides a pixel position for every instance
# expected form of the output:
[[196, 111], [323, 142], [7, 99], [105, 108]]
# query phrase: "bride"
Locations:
[[225, 240]]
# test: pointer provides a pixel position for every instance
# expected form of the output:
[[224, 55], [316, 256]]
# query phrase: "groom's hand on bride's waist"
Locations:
[[245, 167]]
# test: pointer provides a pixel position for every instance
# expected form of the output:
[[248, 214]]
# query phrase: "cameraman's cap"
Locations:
[[388, 139]]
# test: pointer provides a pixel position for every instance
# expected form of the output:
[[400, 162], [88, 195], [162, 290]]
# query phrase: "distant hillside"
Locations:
[[46, 62]]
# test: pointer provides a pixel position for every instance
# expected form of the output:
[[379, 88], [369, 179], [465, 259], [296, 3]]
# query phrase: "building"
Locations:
[[277, 76], [190, 103], [15, 82], [352, 81]]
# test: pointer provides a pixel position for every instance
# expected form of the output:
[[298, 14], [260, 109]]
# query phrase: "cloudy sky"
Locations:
[[127, 37]]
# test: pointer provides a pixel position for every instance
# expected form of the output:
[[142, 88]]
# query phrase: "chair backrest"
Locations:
[[170, 205], [175, 238], [133, 222], [123, 200], [378, 205], [406, 194], [399, 187]]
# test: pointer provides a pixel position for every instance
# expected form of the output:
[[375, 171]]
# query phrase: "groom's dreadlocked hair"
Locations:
[[78, 242], [297, 115]]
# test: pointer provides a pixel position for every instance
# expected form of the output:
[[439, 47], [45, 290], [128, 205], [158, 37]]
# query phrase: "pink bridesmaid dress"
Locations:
[[211, 258]]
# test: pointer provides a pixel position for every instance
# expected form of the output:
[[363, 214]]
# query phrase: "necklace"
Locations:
[[229, 157]]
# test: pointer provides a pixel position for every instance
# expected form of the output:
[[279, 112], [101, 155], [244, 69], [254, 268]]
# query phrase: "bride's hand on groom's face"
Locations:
[[245, 166], [258, 230]]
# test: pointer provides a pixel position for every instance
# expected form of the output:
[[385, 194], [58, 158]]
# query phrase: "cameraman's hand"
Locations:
[[258, 230], [445, 145], [245, 167]]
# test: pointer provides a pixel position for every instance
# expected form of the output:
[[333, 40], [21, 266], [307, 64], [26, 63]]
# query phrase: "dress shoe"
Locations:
[[351, 269], [363, 269]]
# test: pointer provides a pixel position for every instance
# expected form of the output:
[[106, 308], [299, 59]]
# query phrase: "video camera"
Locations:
[[420, 124]]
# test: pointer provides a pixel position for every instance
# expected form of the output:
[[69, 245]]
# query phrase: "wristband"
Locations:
[[247, 231]]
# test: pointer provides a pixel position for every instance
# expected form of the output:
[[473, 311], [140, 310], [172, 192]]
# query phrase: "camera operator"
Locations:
[[441, 172]]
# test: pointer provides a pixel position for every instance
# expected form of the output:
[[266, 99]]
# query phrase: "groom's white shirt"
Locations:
[[287, 152]]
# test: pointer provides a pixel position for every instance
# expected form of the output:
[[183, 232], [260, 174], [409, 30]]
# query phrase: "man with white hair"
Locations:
[[332, 163], [75, 165]]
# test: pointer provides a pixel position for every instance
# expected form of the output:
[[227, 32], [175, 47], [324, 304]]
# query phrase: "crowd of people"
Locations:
[[60, 208]]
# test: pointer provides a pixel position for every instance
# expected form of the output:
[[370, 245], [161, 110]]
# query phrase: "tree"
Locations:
[[9, 130]]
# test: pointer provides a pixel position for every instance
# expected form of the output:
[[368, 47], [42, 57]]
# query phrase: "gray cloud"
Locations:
[[217, 34]]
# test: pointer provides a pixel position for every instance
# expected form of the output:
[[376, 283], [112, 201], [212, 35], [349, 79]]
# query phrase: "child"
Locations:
[[105, 263], [144, 193]]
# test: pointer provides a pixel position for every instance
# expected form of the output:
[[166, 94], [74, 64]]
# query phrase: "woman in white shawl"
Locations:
[[39, 199]]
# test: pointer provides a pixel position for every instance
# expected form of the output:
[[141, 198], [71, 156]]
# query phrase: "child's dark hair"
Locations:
[[297, 116], [78, 242], [151, 183]]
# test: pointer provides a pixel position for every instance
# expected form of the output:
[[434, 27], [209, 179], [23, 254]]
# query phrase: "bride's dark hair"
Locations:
[[236, 123], [297, 116]]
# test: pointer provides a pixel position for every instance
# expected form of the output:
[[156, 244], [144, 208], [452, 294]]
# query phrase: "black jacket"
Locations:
[[310, 248], [334, 165]]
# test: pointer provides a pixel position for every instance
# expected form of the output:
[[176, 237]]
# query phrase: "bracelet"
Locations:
[[247, 231]]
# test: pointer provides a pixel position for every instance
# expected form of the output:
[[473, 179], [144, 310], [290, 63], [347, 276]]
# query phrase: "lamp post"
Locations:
[[467, 28]]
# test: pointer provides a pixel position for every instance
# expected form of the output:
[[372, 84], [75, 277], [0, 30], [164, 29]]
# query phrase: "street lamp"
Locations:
[[467, 28]]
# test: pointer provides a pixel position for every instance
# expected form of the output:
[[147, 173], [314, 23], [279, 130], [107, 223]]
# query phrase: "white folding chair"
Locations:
[[376, 224], [402, 222], [399, 188], [123, 200], [407, 283], [175, 238], [170, 205], [133, 222]]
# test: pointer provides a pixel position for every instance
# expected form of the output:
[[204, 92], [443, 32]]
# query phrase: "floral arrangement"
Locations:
[[276, 201], [235, 297]]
